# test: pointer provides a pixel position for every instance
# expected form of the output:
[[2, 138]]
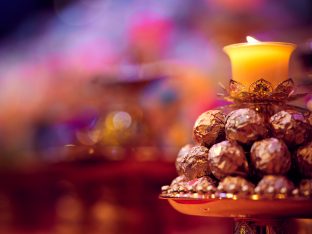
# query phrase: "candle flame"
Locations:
[[251, 40]]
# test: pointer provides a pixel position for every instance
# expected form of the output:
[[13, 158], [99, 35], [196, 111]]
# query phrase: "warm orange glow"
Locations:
[[256, 60]]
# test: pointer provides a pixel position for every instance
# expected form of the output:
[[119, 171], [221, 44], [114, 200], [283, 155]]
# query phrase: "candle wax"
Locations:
[[261, 60]]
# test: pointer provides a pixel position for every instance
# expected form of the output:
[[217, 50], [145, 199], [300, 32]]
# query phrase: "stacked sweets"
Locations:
[[246, 152]]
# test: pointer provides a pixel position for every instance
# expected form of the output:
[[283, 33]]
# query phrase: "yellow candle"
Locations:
[[254, 60]]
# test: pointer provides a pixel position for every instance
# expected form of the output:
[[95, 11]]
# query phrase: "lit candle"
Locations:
[[254, 60]]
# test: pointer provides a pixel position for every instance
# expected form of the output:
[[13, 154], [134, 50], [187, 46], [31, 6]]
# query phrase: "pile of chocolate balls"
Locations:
[[246, 152]]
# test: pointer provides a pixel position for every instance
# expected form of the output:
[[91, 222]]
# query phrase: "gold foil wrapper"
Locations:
[[203, 184], [236, 185], [195, 164], [227, 158], [271, 185], [270, 156], [291, 126], [209, 127], [181, 157], [178, 180], [304, 160], [178, 184], [305, 188], [245, 126]]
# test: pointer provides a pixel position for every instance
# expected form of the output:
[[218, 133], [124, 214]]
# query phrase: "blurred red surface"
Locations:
[[96, 196]]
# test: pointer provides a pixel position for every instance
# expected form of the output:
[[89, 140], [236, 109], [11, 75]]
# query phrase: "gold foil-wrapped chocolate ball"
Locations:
[[181, 157], [272, 185], [305, 188], [177, 185], [203, 184], [270, 156], [209, 127], [245, 126], [227, 158], [195, 164], [291, 126], [304, 160], [165, 189], [236, 185], [178, 180]]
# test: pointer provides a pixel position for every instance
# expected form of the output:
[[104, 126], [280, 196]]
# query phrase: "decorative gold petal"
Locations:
[[261, 91], [261, 87], [287, 87], [235, 88]]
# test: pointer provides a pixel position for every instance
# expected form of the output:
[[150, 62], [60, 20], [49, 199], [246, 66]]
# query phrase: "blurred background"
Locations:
[[97, 97]]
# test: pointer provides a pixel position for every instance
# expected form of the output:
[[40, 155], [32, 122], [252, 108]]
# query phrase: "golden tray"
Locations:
[[251, 207]]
